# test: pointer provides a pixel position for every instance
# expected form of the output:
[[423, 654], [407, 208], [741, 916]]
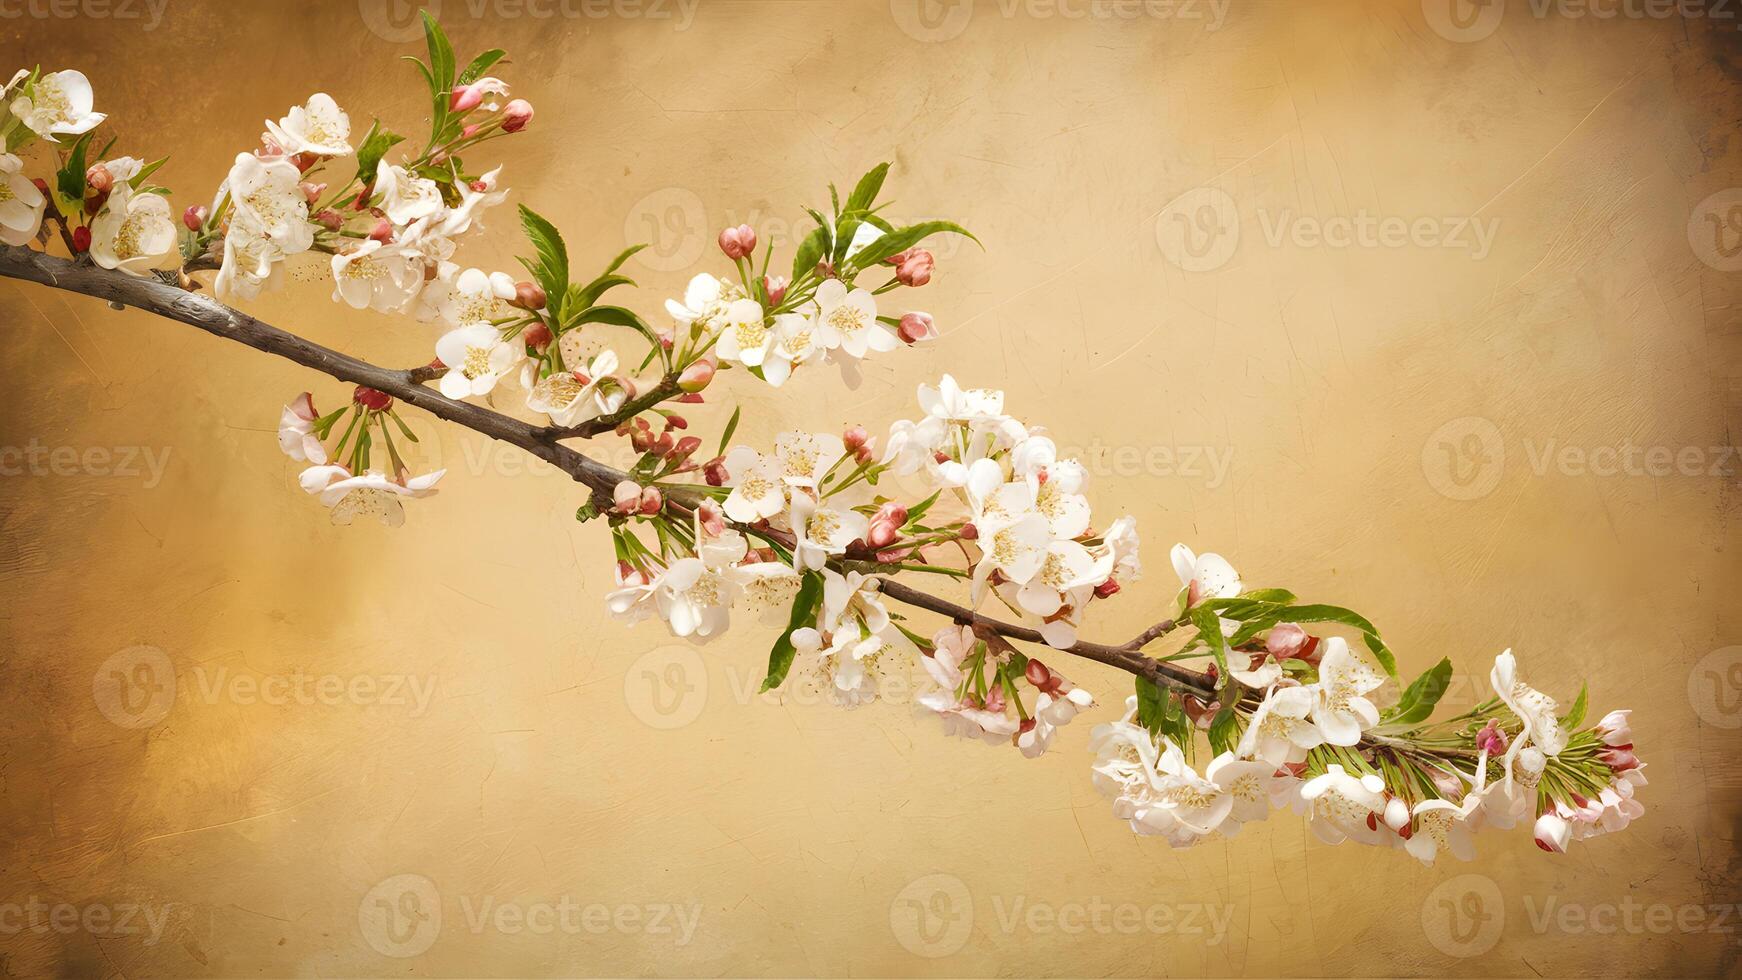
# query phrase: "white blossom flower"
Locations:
[[695, 594], [475, 198], [758, 492], [318, 127], [1253, 788], [1441, 825], [847, 321], [266, 196], [252, 261], [1339, 805], [744, 333], [851, 601], [633, 599], [1340, 706], [793, 341], [21, 204], [1017, 550], [1279, 733], [405, 196], [1186, 807], [705, 301], [1206, 576], [854, 664], [1053, 709], [372, 494], [370, 275], [477, 357], [57, 104], [806, 456], [768, 589], [952, 403], [134, 231], [570, 400], [1065, 567], [296, 434], [821, 530], [1538, 711], [472, 296]]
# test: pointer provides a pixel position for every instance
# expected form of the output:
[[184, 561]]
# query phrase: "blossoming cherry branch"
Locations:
[[1262, 702]]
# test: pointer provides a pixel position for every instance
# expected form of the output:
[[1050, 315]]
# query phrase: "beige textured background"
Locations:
[[559, 757]]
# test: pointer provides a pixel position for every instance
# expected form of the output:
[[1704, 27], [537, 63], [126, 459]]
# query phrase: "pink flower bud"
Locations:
[[1552, 833], [530, 296], [917, 328], [712, 517], [305, 161], [775, 287], [382, 232], [515, 117], [626, 497], [676, 422], [969, 532], [304, 407], [311, 191], [714, 471], [685, 448], [99, 179], [81, 239], [1618, 759], [915, 268], [467, 132], [738, 242], [1039, 676], [696, 376], [1615, 729], [327, 218], [882, 534], [465, 98], [1107, 589], [690, 398], [372, 399], [663, 445], [538, 338], [194, 217], [1286, 640], [1491, 740], [893, 512], [651, 501]]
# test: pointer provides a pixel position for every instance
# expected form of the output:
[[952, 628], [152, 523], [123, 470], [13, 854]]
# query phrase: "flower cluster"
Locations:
[[354, 488], [1312, 747]]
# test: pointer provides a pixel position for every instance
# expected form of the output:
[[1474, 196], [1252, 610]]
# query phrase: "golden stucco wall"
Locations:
[[1430, 431]]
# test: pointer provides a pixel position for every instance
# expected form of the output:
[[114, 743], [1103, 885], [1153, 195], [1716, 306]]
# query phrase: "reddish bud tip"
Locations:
[[538, 337], [917, 328], [714, 471], [530, 296], [515, 117], [382, 232], [465, 98], [372, 399], [696, 377], [775, 287], [99, 179], [194, 217], [738, 242], [81, 239]]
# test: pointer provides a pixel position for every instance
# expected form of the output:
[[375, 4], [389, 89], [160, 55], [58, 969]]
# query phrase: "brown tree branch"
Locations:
[[154, 296]]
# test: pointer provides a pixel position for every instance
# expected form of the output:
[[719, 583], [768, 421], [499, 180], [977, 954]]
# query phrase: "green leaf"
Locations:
[[1151, 705], [804, 608], [146, 171], [375, 145], [810, 252], [585, 296], [1224, 730], [1576, 713], [1268, 595], [918, 511], [1210, 633], [480, 65], [70, 179], [617, 316], [905, 238], [552, 268], [423, 70], [441, 54], [731, 427], [865, 192], [1418, 700], [622, 257]]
